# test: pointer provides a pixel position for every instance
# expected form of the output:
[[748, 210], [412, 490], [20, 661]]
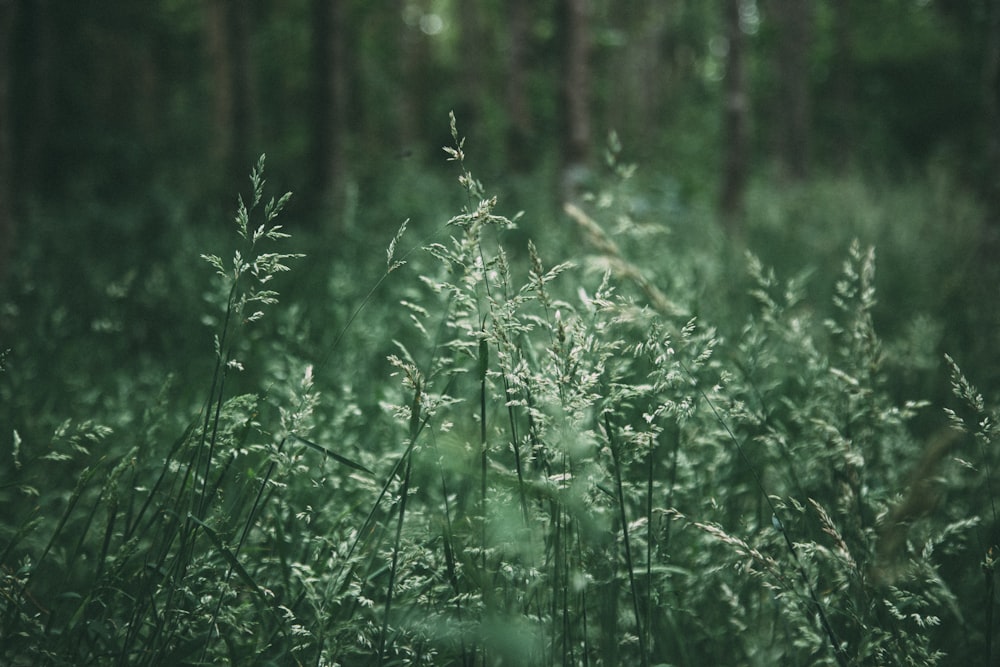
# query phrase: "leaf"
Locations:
[[234, 562], [333, 455]]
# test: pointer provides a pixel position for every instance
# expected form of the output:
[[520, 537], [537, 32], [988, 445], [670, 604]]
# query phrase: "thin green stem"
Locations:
[[616, 458]]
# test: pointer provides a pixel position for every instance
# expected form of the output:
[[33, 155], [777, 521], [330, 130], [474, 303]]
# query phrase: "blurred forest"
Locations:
[[127, 129], [114, 99]]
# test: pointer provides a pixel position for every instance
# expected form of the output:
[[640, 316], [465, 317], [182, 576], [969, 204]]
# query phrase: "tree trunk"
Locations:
[[991, 99], [414, 57], [734, 172], [8, 9], [637, 72], [234, 106], [520, 131], [575, 94], [245, 116], [330, 91], [217, 47], [473, 41], [36, 111], [794, 19], [843, 84]]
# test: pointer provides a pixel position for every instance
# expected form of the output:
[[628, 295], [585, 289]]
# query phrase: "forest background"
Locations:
[[124, 98], [712, 150], [126, 114]]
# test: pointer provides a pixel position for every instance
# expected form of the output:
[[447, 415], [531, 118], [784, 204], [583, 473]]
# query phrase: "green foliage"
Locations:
[[660, 452]]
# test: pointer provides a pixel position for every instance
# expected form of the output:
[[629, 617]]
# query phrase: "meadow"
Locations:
[[456, 433]]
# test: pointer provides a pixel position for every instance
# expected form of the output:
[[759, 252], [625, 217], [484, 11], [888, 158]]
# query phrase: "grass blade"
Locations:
[[333, 455]]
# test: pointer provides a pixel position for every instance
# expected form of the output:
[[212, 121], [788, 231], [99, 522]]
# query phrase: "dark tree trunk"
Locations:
[[575, 94], [652, 72], [735, 121], [843, 84], [330, 90], [245, 116], [36, 110], [991, 99], [8, 9], [234, 104], [795, 23], [414, 57], [217, 47], [520, 131], [637, 72], [473, 42]]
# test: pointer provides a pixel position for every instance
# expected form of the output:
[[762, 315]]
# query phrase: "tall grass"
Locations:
[[565, 467]]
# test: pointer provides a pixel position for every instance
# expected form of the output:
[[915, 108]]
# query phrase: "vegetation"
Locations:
[[623, 460], [702, 372]]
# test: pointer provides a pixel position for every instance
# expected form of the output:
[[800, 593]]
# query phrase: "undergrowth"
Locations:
[[565, 463]]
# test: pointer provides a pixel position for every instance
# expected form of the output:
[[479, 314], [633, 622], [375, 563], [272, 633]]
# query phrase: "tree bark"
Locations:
[[795, 23], [473, 42], [520, 131], [36, 111], [637, 72], [735, 121], [330, 92], [8, 9], [575, 94], [843, 84], [245, 116], [228, 27], [991, 99], [414, 57], [217, 48]]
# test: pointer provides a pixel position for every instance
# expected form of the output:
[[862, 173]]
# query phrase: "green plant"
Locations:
[[143, 566], [617, 460]]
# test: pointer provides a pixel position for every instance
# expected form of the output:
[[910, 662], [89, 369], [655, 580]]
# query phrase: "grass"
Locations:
[[556, 462]]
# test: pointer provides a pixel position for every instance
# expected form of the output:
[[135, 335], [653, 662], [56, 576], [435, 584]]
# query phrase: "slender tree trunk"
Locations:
[[575, 94], [8, 9], [37, 111], [228, 29], [245, 112], [734, 173], [330, 88], [406, 108], [795, 23], [843, 90], [414, 56], [637, 72], [520, 131], [991, 99], [217, 47], [652, 71], [473, 42]]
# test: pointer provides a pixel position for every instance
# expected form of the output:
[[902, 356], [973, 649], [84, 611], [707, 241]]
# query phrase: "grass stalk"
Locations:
[[415, 428], [650, 543], [516, 446], [616, 459], [818, 607], [404, 492]]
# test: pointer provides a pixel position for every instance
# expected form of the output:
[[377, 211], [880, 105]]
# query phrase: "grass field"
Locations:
[[601, 435]]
